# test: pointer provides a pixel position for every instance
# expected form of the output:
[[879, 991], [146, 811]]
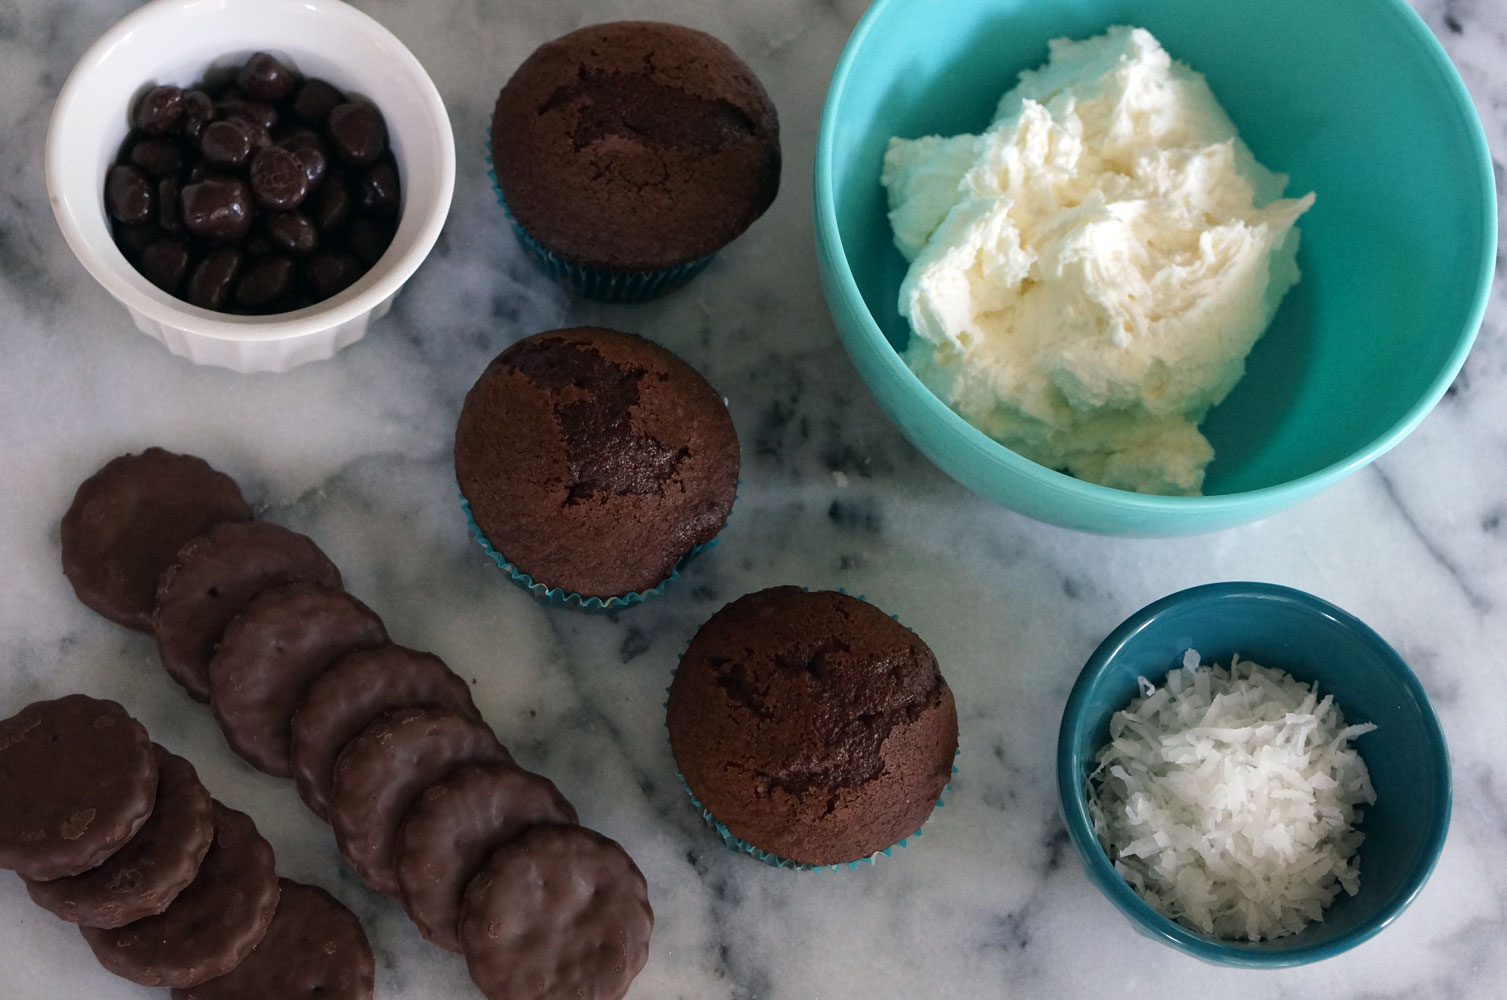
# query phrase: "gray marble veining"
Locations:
[[356, 452]]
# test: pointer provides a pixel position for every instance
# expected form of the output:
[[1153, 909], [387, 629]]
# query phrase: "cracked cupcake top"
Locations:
[[812, 725], [635, 145], [595, 460]]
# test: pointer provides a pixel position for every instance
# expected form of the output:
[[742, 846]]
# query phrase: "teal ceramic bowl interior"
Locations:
[[1356, 101], [1315, 642]]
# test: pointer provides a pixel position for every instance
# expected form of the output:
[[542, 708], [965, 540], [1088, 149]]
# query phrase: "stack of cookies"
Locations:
[[383, 742], [170, 887]]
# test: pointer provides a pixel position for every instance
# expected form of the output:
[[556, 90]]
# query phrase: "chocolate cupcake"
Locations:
[[593, 464], [626, 154], [811, 728]]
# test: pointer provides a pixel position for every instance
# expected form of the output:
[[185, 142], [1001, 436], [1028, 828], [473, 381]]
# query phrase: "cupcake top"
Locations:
[[635, 145], [595, 460], [812, 725]]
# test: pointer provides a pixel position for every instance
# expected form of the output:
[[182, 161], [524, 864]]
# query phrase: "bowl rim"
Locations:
[[1074, 803], [388, 276], [833, 257]]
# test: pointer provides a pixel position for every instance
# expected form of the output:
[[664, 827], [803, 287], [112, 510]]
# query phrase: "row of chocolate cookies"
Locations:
[[170, 888], [383, 742]]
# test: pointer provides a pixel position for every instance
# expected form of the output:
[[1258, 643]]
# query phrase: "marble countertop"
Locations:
[[356, 453]]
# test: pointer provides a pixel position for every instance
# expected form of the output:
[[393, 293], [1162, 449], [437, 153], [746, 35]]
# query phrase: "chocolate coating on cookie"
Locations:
[[595, 460], [455, 826], [271, 652], [77, 781], [315, 949], [212, 925], [128, 521], [635, 145], [145, 876], [812, 725], [560, 913], [214, 577], [355, 690], [383, 772]]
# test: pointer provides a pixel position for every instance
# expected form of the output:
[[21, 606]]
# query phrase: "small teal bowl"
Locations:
[[1356, 101], [1313, 641]]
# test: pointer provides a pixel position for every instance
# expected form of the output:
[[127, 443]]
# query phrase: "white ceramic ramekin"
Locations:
[[177, 41]]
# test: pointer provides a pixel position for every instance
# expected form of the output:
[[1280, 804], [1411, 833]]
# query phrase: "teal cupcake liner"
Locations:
[[729, 839], [568, 599], [602, 284]]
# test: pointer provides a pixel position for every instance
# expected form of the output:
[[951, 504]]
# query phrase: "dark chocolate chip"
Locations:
[[310, 150], [169, 208], [198, 112], [332, 205], [315, 164], [159, 111], [377, 191], [157, 156], [330, 272], [278, 179], [129, 196], [314, 101], [370, 238], [264, 282], [227, 143], [134, 239], [258, 245], [265, 78], [218, 210], [357, 132], [295, 136], [256, 112], [210, 284], [164, 262], [292, 232]]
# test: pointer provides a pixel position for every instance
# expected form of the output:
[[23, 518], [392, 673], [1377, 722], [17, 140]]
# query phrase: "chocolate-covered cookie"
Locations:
[[560, 913], [355, 690], [213, 578], [314, 950], [383, 771], [145, 876], [77, 780], [128, 521], [455, 826], [271, 652], [211, 926]]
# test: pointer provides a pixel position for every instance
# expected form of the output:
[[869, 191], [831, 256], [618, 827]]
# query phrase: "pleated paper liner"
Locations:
[[602, 284], [737, 843], [568, 599]]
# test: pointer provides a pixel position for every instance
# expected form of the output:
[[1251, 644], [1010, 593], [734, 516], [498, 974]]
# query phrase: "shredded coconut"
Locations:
[[1229, 799]]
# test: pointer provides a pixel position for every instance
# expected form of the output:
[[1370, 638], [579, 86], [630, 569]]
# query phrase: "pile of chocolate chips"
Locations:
[[264, 195]]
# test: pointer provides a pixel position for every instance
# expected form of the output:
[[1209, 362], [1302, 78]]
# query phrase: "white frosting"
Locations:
[[1089, 274]]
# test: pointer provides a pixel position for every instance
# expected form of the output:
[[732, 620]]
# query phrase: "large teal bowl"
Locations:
[[1315, 642], [1355, 100]]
